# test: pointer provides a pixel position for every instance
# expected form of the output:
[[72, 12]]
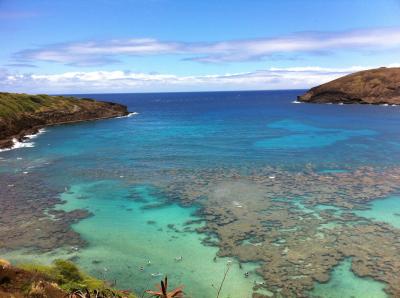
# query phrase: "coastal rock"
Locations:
[[22, 114], [374, 86]]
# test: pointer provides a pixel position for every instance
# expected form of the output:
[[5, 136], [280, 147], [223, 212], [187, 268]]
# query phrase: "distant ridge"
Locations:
[[23, 114], [374, 86]]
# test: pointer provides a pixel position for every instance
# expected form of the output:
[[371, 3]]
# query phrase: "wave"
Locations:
[[295, 101], [24, 144], [129, 115], [18, 144], [32, 136]]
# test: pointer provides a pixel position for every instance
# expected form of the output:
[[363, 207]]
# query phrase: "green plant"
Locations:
[[163, 291], [67, 275], [95, 294], [67, 272]]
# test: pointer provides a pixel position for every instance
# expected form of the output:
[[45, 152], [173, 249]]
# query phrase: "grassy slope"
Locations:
[[22, 113], [61, 275], [12, 105]]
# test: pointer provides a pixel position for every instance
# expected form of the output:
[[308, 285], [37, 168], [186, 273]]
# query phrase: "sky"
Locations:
[[107, 46]]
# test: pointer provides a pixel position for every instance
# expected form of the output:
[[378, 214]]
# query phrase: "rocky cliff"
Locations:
[[22, 114], [374, 86]]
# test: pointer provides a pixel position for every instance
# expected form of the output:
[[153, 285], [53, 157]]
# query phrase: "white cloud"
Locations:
[[125, 81], [109, 51]]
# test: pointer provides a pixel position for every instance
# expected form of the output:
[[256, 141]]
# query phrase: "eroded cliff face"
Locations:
[[25, 114], [375, 86]]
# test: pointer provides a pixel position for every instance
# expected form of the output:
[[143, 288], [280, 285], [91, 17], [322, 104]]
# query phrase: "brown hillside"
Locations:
[[374, 86]]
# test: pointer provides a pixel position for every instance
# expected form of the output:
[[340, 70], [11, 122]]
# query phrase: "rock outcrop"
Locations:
[[22, 114], [374, 86]]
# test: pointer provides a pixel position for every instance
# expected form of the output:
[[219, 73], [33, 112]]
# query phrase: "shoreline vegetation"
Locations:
[[63, 279], [380, 86], [59, 280], [24, 114]]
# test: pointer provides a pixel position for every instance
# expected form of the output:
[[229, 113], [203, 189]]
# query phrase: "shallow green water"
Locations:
[[345, 284], [386, 210], [124, 237]]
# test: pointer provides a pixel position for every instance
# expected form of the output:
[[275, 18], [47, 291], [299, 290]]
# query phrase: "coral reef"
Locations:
[[297, 225], [28, 218]]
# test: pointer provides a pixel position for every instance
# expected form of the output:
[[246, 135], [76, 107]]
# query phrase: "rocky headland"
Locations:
[[23, 114], [374, 86]]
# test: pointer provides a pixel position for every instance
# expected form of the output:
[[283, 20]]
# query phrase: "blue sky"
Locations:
[[184, 45]]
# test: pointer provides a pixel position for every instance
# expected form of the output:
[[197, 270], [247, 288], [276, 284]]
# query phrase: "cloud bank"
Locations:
[[126, 81], [95, 53]]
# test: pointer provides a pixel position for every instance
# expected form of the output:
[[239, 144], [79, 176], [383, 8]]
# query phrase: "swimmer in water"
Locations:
[[156, 274]]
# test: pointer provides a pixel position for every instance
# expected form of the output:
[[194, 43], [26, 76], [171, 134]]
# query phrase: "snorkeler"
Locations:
[[156, 274]]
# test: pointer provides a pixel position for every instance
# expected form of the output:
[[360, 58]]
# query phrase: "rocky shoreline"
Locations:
[[22, 114], [379, 86]]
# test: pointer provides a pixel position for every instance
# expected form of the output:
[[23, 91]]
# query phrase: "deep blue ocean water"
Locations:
[[106, 161], [257, 127]]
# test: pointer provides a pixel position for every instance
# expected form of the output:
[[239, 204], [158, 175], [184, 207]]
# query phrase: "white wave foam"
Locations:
[[129, 115], [296, 101], [24, 144], [17, 145], [32, 136]]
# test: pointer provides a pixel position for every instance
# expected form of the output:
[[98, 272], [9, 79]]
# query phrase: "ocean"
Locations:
[[163, 184]]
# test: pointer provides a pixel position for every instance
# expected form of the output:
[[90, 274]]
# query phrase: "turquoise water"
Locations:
[[114, 168], [346, 284], [386, 210], [300, 136], [136, 236]]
